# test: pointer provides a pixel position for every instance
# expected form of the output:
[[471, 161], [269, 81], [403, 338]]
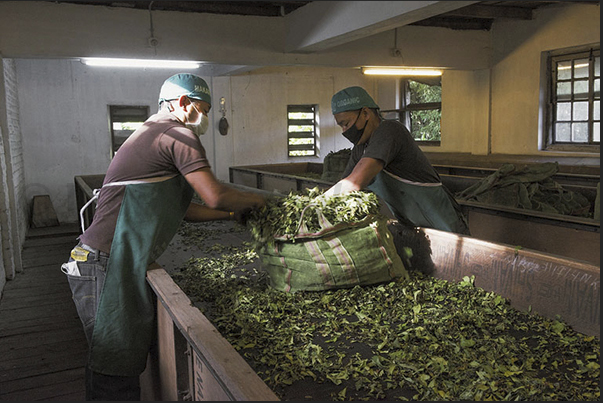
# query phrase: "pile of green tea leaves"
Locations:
[[281, 215], [417, 339]]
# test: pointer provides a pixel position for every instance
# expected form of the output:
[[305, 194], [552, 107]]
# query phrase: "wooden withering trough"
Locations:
[[572, 237], [193, 361]]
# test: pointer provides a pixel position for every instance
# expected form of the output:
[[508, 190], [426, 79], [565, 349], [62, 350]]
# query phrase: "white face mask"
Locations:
[[201, 125]]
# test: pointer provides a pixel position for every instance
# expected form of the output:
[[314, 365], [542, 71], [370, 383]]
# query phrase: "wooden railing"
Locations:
[[192, 361]]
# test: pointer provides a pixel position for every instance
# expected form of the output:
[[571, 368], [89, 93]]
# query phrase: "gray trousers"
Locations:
[[86, 280]]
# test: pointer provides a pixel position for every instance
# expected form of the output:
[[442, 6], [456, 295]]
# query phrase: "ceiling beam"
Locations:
[[491, 12], [321, 25], [457, 23]]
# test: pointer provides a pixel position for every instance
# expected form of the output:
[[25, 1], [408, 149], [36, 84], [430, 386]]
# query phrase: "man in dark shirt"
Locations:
[[386, 160], [146, 193]]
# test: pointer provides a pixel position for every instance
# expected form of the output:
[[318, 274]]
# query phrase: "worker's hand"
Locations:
[[334, 190], [242, 216], [256, 200]]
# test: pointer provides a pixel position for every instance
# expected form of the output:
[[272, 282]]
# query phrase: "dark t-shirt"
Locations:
[[162, 146], [393, 144]]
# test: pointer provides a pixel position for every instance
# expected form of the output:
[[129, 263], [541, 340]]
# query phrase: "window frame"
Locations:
[[113, 112], [550, 60], [403, 112], [314, 135]]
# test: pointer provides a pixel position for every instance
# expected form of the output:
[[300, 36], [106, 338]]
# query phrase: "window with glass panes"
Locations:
[[420, 108], [575, 118], [302, 130], [123, 120]]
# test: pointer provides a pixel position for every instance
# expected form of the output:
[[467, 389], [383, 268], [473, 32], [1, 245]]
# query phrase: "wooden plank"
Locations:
[[53, 280], [14, 294], [206, 386], [57, 231], [66, 239], [569, 242], [40, 275], [39, 326], [53, 340], [167, 355], [56, 392], [41, 381], [44, 367], [17, 359], [24, 314], [14, 327], [52, 268], [51, 249], [57, 258], [43, 348], [546, 284], [53, 297], [231, 371]]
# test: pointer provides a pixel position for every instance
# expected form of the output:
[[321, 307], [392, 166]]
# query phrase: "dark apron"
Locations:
[[149, 217], [428, 205]]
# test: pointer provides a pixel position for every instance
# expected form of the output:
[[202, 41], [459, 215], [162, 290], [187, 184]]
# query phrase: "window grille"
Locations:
[[574, 118], [302, 130]]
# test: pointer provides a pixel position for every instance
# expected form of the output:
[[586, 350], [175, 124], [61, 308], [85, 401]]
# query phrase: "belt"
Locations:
[[96, 252]]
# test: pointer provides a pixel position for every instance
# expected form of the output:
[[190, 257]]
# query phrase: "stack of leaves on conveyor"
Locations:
[[281, 216], [530, 188]]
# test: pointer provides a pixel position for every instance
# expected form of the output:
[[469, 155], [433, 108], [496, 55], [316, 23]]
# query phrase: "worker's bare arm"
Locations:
[[199, 212], [364, 172], [217, 195]]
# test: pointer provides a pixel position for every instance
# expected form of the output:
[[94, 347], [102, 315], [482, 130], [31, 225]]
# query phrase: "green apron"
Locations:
[[149, 217], [428, 205]]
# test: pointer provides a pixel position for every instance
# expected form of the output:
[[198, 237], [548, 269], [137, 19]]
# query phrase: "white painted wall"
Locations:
[[65, 122], [63, 103], [66, 129], [516, 70], [465, 109]]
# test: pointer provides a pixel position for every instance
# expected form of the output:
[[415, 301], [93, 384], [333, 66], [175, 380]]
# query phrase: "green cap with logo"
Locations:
[[185, 84], [351, 99]]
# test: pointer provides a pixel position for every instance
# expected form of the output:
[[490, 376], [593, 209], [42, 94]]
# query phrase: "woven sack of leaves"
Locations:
[[313, 242]]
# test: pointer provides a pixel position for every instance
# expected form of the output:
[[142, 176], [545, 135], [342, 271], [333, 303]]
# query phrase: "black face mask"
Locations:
[[354, 134]]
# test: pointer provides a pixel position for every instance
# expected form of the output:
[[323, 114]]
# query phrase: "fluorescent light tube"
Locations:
[[141, 63], [401, 71]]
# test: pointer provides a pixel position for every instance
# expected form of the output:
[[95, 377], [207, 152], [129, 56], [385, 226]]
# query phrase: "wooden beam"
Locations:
[[491, 12]]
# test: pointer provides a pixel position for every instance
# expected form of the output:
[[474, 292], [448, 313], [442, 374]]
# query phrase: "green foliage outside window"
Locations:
[[425, 124]]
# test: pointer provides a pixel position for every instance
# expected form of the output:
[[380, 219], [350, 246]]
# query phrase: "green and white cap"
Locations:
[[184, 84], [352, 99]]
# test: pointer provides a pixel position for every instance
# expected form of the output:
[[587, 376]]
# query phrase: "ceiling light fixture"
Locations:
[[141, 63], [401, 71]]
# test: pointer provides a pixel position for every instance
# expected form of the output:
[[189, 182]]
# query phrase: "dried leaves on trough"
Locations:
[[419, 339]]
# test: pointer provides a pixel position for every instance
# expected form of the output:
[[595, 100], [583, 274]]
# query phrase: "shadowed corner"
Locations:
[[413, 246]]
